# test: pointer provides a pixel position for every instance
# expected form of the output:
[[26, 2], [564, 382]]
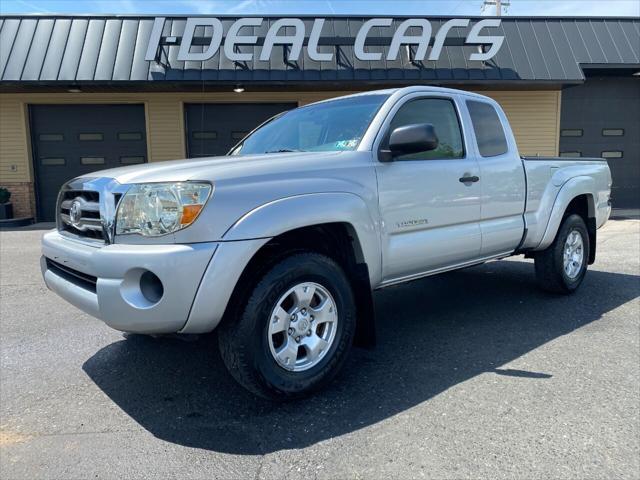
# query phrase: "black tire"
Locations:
[[549, 263], [244, 340]]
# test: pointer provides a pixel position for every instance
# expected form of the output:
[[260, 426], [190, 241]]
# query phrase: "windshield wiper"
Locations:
[[284, 150]]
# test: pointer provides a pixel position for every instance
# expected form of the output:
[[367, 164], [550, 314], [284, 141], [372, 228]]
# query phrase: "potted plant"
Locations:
[[6, 208]]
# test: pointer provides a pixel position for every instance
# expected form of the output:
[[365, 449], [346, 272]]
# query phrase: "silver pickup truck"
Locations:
[[280, 244]]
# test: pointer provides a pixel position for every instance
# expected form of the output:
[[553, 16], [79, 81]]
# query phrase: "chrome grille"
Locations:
[[80, 214], [96, 201]]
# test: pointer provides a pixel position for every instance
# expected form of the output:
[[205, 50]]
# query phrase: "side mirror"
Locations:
[[415, 138]]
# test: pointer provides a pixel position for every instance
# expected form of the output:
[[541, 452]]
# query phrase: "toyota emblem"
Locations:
[[75, 213]]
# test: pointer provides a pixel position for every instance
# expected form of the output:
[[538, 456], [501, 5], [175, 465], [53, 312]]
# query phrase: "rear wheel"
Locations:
[[562, 266], [295, 331]]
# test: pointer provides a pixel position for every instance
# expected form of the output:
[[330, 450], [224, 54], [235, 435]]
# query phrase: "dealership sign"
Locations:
[[411, 32]]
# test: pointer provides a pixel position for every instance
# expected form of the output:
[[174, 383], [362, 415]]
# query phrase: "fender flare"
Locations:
[[289, 213], [572, 188]]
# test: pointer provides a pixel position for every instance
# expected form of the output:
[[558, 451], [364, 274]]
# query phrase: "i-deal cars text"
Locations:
[[292, 33], [280, 244]]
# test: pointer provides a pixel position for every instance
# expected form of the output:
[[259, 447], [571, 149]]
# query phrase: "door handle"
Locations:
[[469, 179]]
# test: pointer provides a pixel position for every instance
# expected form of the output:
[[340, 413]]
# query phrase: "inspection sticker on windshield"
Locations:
[[347, 143]]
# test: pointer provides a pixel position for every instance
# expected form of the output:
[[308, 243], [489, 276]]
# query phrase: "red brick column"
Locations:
[[22, 197]]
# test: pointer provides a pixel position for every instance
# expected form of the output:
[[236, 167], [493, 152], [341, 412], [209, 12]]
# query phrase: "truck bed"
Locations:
[[562, 159], [547, 177]]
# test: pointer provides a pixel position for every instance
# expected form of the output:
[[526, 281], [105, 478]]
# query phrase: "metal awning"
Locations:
[[60, 50]]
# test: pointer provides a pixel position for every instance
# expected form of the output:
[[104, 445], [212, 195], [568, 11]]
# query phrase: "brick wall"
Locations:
[[22, 198]]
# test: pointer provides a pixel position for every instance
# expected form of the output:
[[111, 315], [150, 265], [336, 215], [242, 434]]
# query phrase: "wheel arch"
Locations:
[[336, 240], [305, 211], [575, 196]]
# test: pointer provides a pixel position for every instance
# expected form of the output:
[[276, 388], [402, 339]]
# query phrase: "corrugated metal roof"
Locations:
[[112, 50]]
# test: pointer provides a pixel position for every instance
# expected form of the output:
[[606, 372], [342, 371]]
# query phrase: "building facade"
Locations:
[[80, 94]]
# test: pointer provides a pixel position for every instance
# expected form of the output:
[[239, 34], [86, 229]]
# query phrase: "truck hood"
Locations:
[[226, 167], [243, 184]]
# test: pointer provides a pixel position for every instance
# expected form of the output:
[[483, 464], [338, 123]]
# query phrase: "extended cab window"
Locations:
[[442, 115], [488, 128]]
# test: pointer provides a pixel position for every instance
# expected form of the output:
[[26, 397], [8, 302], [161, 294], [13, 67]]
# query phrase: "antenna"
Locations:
[[499, 4]]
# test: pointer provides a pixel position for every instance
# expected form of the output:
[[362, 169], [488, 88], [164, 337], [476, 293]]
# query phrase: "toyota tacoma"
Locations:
[[280, 244]]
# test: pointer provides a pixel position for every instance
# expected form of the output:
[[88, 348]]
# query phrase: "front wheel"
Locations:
[[562, 266], [296, 329]]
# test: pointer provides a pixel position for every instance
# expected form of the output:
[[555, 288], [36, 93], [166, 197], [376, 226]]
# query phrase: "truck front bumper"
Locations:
[[112, 282], [170, 288]]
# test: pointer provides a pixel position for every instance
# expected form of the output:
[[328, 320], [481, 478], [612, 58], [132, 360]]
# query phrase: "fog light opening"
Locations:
[[151, 287]]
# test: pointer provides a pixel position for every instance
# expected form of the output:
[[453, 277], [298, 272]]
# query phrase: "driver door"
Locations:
[[430, 216]]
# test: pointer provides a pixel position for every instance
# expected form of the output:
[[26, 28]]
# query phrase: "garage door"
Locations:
[[72, 140], [600, 119], [213, 128]]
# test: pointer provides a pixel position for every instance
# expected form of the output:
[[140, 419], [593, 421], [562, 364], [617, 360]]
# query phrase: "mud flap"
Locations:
[[366, 322]]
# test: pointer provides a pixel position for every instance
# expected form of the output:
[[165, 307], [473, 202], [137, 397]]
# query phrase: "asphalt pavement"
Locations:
[[477, 374]]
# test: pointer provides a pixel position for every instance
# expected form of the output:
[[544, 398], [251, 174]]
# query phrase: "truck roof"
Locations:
[[411, 89]]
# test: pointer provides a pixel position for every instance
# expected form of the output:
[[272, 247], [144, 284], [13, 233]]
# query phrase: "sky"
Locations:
[[326, 7]]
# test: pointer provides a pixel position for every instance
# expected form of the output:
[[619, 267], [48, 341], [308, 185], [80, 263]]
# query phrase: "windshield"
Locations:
[[335, 125]]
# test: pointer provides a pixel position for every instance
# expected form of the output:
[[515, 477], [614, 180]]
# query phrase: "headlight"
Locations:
[[153, 209]]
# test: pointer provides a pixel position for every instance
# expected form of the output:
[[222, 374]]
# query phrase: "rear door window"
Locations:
[[488, 129]]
